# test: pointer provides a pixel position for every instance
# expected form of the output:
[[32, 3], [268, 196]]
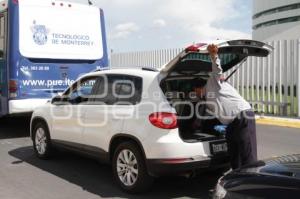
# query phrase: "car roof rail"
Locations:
[[101, 69], [137, 67], [149, 69]]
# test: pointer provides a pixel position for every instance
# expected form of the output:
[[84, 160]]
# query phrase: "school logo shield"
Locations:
[[40, 33]]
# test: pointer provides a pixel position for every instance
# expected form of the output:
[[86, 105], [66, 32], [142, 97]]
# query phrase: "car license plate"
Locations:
[[218, 147]]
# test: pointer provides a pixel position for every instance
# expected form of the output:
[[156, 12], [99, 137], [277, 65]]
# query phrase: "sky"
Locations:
[[139, 25]]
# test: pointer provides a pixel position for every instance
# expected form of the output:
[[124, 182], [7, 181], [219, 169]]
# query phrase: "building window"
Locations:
[[278, 9], [277, 21]]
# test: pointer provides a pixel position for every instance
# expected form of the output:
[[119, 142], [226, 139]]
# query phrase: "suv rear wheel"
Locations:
[[129, 168]]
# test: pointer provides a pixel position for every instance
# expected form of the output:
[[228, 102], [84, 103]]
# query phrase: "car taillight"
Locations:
[[163, 120], [13, 87]]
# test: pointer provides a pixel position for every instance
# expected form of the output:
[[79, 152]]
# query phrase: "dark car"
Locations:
[[273, 178]]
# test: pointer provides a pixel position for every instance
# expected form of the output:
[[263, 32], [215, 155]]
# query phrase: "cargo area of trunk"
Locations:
[[192, 128]]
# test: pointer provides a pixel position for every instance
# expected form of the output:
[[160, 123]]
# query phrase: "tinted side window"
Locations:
[[119, 89], [129, 90], [82, 91], [104, 94]]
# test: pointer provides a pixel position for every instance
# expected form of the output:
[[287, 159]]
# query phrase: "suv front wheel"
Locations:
[[41, 140], [129, 168]]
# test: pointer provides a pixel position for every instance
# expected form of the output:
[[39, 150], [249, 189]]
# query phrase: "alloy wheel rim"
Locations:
[[40, 141], [127, 167]]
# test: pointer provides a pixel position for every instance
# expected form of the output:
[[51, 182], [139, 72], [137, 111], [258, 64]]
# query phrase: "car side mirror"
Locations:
[[58, 100]]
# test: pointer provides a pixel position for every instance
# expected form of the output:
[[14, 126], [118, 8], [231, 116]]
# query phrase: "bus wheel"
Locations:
[[41, 141]]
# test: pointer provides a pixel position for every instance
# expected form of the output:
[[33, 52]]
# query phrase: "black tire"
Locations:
[[144, 180], [222, 171], [48, 148]]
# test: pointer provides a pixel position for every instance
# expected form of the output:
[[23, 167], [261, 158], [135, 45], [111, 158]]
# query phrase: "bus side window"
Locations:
[[2, 47], [2, 35]]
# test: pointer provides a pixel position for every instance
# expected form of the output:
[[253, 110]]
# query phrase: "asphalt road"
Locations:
[[23, 176]]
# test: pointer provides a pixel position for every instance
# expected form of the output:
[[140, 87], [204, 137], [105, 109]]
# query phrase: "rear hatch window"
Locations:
[[195, 59], [200, 63]]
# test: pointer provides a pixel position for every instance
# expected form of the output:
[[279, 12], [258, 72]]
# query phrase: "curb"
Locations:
[[274, 121]]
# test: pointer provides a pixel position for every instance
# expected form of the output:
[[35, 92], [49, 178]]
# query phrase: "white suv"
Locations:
[[141, 121]]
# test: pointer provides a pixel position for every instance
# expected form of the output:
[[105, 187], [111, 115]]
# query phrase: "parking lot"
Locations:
[[23, 176]]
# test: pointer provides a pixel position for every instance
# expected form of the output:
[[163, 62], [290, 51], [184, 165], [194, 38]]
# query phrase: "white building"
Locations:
[[276, 20]]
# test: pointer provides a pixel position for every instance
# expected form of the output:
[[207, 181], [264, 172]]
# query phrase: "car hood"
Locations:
[[288, 166]]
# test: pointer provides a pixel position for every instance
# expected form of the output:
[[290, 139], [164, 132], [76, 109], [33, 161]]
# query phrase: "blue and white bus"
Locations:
[[44, 46]]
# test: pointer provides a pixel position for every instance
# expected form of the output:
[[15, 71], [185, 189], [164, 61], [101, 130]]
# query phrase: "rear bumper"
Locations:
[[162, 167], [25, 105]]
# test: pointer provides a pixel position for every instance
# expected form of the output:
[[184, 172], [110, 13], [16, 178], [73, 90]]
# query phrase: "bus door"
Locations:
[[3, 65]]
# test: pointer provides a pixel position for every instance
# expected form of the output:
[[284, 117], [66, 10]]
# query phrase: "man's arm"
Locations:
[[216, 63], [217, 71], [216, 67]]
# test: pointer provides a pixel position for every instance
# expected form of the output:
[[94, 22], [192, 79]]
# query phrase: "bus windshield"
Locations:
[[50, 30]]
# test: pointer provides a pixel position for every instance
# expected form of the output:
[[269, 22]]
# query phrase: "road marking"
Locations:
[[6, 142], [279, 122]]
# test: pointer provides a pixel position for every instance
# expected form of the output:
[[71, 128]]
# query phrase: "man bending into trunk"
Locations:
[[231, 109]]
